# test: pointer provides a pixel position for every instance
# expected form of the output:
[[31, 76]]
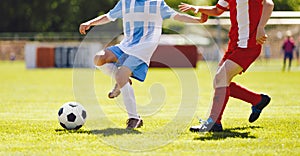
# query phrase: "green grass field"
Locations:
[[30, 99]]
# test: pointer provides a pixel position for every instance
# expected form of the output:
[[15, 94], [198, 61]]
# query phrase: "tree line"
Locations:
[[66, 15]]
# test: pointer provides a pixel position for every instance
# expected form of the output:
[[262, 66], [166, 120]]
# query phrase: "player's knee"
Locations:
[[217, 83], [220, 80], [99, 60]]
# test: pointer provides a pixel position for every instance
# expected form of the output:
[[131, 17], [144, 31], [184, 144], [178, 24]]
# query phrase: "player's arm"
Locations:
[[103, 19], [208, 10], [261, 36], [190, 19]]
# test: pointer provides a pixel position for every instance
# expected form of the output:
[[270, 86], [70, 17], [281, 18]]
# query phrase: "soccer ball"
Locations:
[[72, 115]]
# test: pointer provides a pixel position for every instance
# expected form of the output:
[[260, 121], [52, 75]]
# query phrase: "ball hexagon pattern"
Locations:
[[72, 115]]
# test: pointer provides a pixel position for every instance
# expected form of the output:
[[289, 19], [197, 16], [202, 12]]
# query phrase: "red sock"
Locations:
[[244, 94], [220, 100]]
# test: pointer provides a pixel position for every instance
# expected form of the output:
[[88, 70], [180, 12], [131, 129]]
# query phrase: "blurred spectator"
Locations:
[[297, 51], [12, 56], [288, 49], [267, 51]]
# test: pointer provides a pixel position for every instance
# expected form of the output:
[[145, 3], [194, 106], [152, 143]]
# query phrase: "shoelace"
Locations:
[[201, 121], [204, 123]]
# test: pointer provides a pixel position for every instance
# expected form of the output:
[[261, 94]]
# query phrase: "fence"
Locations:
[[60, 56]]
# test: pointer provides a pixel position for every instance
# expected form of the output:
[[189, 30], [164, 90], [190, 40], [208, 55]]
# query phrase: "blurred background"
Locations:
[[28, 25]]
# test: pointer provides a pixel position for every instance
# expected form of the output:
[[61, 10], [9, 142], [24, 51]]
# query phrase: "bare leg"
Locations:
[[122, 77], [225, 73], [105, 57], [104, 61], [223, 78]]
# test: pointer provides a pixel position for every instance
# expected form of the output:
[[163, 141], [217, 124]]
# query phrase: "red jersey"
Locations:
[[244, 16]]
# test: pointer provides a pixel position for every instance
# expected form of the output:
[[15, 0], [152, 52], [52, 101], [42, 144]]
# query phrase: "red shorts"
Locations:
[[243, 56]]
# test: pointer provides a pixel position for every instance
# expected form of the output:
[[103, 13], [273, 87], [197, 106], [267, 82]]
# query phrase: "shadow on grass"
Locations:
[[64, 131], [104, 132], [228, 133], [114, 131]]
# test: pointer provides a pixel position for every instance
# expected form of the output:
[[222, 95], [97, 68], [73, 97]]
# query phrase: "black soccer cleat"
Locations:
[[256, 110], [207, 126], [134, 123]]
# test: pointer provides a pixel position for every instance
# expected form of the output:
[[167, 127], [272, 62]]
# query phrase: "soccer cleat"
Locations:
[[207, 126], [134, 123], [115, 92], [256, 110]]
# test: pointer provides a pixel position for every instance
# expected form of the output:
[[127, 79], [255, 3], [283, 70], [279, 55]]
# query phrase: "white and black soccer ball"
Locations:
[[72, 115]]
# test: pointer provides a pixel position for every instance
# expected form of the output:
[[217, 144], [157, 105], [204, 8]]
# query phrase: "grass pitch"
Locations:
[[31, 98]]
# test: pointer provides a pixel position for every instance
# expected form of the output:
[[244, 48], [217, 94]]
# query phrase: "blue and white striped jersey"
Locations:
[[142, 25]]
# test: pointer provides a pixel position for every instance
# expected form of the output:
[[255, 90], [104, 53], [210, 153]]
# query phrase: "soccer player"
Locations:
[[142, 26], [247, 34]]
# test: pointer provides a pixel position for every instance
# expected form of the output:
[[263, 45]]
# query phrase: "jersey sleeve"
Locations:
[[166, 11], [223, 4], [116, 12]]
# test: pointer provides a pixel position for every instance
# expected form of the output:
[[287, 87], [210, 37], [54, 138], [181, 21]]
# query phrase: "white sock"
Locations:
[[108, 69], [129, 100]]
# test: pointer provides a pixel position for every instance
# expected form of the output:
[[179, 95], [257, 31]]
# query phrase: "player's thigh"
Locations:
[[105, 56], [226, 72]]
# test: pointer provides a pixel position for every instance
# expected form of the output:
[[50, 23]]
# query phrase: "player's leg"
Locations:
[[284, 61], [258, 101], [103, 57], [222, 79], [242, 93], [108, 69], [122, 77], [105, 61], [297, 55], [290, 61], [134, 67], [115, 92], [241, 60]]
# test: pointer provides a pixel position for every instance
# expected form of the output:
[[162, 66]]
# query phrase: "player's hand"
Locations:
[[84, 27], [186, 7], [204, 18], [261, 36]]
